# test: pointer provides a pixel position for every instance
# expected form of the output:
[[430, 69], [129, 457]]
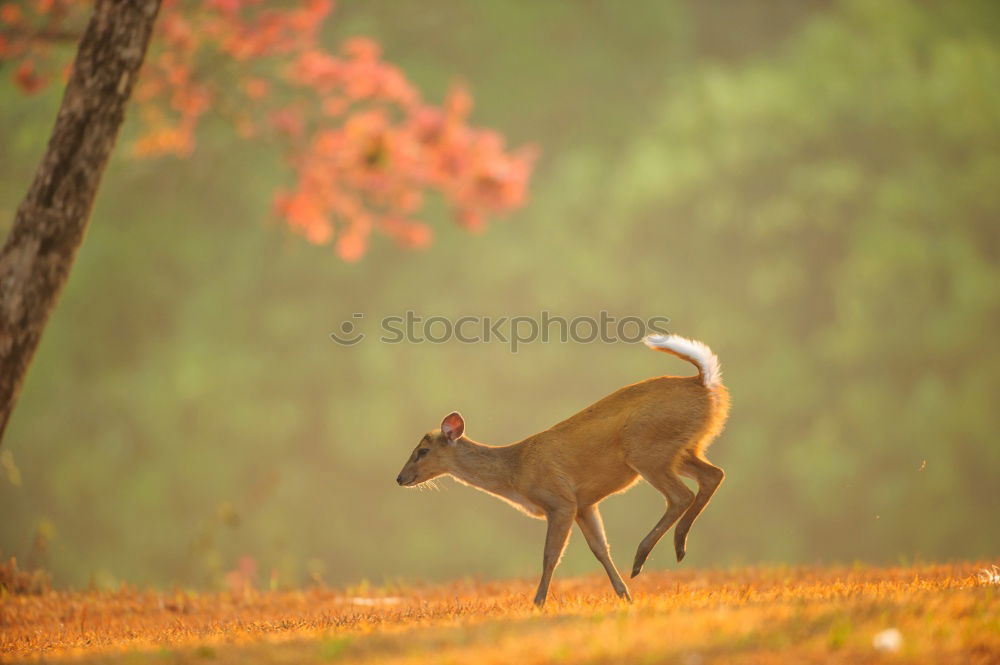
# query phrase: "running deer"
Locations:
[[657, 429]]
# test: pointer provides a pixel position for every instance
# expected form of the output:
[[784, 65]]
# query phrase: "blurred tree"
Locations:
[[50, 222], [363, 145], [838, 208]]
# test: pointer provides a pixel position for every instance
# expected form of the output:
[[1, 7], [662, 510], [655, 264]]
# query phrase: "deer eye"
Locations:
[[422, 452]]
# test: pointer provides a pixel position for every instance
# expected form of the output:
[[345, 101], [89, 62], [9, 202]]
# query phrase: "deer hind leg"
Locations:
[[664, 478], [709, 477], [592, 526]]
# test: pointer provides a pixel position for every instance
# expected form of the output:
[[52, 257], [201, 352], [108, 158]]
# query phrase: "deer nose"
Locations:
[[399, 479]]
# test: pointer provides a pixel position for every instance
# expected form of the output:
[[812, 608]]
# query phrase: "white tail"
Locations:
[[693, 351]]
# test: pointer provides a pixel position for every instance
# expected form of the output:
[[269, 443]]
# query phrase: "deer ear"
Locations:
[[453, 426]]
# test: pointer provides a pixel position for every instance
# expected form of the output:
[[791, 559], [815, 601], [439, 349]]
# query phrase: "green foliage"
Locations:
[[818, 203], [843, 202]]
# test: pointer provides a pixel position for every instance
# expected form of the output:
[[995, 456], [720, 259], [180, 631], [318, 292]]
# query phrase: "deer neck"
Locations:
[[486, 467]]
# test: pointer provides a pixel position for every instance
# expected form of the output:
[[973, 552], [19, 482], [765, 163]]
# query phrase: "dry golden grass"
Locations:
[[945, 614]]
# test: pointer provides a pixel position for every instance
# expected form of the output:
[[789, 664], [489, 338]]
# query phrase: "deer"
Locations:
[[657, 430]]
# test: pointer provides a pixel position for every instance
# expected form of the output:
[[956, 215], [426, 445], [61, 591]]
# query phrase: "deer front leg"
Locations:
[[560, 521], [592, 526]]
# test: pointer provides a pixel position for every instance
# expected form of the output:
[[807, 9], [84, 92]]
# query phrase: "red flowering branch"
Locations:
[[363, 147]]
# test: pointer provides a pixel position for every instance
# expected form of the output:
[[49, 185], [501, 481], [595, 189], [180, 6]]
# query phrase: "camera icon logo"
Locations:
[[349, 333]]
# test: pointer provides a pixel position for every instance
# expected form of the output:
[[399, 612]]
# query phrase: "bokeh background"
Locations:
[[811, 187]]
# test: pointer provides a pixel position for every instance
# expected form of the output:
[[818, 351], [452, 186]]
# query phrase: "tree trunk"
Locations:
[[50, 222]]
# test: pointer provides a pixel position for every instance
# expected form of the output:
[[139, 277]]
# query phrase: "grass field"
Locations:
[[943, 614]]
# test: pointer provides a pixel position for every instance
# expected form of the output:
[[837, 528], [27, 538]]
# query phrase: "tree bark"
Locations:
[[49, 224]]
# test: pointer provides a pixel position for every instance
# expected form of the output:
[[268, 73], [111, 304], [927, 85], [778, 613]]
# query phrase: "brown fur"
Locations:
[[655, 429]]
